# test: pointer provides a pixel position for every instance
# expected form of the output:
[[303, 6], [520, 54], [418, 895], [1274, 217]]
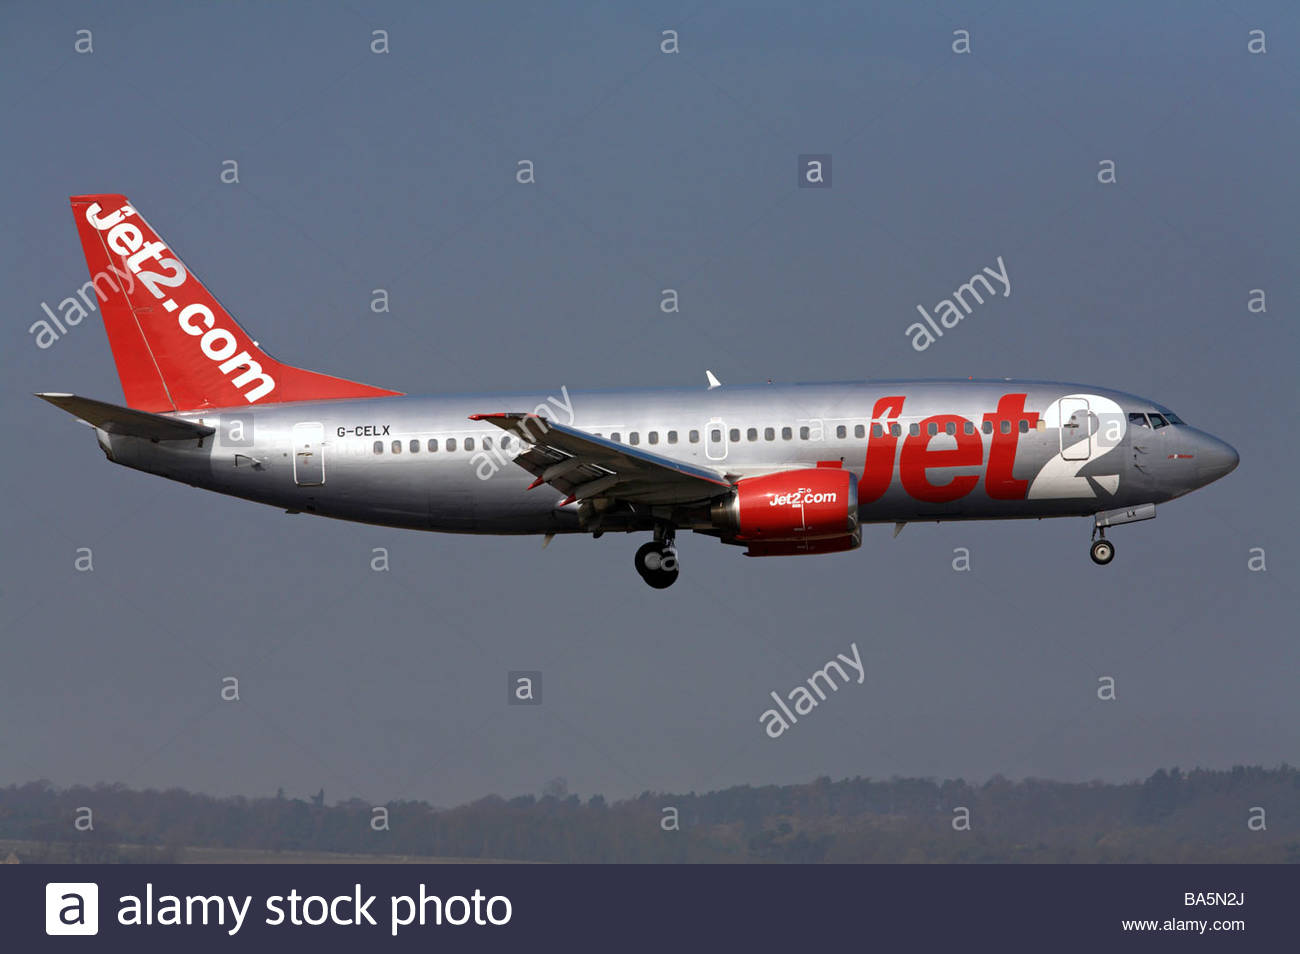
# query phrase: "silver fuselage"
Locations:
[[1075, 450]]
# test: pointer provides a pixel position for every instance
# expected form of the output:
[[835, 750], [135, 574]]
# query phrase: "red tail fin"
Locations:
[[175, 347]]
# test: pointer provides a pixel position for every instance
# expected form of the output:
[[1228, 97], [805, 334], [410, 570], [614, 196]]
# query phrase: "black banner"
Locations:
[[517, 907]]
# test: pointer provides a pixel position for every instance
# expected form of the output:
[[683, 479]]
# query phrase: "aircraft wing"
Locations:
[[583, 465], [126, 420]]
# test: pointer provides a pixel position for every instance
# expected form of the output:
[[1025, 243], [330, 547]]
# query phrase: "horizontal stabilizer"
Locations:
[[127, 421]]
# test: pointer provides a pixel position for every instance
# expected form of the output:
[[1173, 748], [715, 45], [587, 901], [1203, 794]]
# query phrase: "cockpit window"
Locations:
[[1138, 420], [1175, 419], [1158, 420]]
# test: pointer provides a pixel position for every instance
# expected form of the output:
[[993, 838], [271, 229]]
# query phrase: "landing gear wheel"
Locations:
[[1103, 551], [657, 564]]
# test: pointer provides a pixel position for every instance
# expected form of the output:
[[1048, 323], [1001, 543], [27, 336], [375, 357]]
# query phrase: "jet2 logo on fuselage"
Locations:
[[915, 458]]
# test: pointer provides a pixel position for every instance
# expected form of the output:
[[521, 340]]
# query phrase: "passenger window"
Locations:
[[433, 444], [1158, 421], [735, 434], [415, 447], [715, 435], [693, 437], [634, 437], [786, 434], [672, 437], [487, 443], [769, 433], [1024, 426], [896, 430], [877, 430], [654, 437], [913, 429], [933, 428], [616, 437], [751, 434], [968, 428], [859, 430], [379, 447], [451, 443], [951, 427], [1006, 427], [803, 433], [988, 427], [841, 432], [505, 442], [1139, 420], [469, 443], [397, 447]]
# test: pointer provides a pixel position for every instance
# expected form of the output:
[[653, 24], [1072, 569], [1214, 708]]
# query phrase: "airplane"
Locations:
[[780, 470]]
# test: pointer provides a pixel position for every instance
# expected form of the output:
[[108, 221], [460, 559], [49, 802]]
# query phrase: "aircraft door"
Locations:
[[1077, 429], [715, 440], [309, 454]]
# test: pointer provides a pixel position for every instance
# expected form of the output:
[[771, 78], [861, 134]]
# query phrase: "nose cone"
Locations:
[[1214, 458]]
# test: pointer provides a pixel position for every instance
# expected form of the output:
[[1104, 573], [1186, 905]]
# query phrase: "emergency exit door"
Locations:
[[715, 440]]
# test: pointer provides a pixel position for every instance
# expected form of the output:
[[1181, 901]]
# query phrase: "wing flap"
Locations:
[[570, 460]]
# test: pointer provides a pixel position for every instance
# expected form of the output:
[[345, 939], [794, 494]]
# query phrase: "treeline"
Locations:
[[1239, 815]]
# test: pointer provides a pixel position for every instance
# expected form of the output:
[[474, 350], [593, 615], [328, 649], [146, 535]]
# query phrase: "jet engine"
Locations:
[[792, 512]]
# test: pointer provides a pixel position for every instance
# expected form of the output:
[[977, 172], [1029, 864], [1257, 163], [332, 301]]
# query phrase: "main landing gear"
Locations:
[[1102, 551], [656, 561]]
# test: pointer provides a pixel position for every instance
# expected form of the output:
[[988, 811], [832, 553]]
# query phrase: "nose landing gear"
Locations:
[[1102, 550], [656, 561]]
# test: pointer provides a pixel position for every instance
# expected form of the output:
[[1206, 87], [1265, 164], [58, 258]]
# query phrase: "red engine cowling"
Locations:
[[792, 507]]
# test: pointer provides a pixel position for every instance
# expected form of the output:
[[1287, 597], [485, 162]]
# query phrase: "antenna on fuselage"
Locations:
[[713, 381]]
